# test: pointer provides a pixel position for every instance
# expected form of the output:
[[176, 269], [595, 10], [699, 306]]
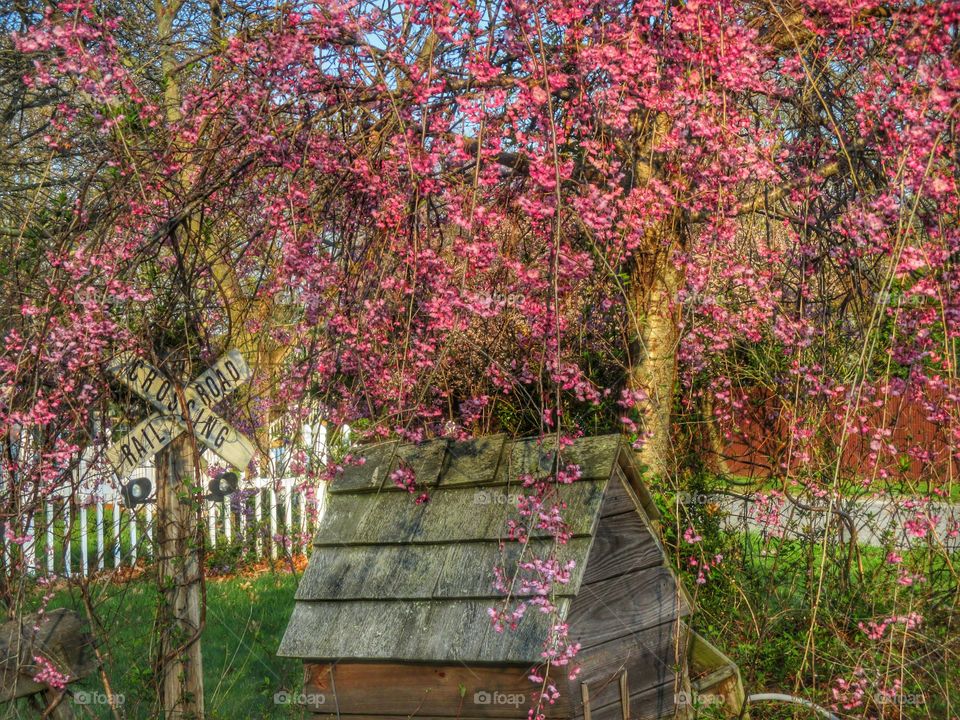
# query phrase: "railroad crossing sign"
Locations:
[[158, 430]]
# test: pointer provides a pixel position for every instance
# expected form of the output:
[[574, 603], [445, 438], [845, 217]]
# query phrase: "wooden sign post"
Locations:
[[180, 408]]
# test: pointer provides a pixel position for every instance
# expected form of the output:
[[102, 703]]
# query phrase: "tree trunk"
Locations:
[[655, 280], [654, 316], [178, 548]]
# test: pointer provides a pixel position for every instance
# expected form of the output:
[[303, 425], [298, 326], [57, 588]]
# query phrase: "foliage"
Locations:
[[446, 218]]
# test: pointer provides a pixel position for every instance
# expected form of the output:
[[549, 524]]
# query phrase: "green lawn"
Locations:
[[246, 617]]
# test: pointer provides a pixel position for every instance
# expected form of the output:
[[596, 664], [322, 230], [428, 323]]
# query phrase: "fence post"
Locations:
[[228, 520], [49, 547], [84, 543], [242, 516], [67, 536], [101, 552], [273, 521], [148, 521], [288, 510], [212, 522], [258, 517], [303, 520], [30, 547], [133, 536], [116, 534]]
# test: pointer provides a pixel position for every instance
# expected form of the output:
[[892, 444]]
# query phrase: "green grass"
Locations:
[[61, 529], [246, 617], [758, 607]]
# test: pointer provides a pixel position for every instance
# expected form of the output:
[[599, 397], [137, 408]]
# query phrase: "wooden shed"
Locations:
[[391, 616]]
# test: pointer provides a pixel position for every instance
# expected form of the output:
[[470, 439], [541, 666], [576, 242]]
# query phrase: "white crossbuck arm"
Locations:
[[154, 433]]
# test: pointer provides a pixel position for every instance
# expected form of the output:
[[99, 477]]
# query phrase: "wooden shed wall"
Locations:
[[627, 616], [420, 690]]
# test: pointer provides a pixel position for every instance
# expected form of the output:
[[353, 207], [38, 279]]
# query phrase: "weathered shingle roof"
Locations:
[[393, 580]]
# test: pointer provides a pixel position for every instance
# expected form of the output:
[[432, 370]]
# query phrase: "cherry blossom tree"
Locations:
[[444, 218]]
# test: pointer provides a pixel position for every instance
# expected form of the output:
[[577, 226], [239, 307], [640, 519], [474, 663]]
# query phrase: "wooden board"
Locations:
[[619, 499], [341, 518], [363, 629], [625, 604], [414, 630], [58, 635], [650, 704], [420, 690], [369, 475], [623, 543], [373, 572], [469, 567], [649, 658], [473, 462], [452, 514], [427, 461], [595, 457], [428, 571], [526, 642], [630, 468], [220, 379]]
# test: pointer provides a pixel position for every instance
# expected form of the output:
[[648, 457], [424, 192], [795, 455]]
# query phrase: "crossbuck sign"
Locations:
[[158, 430]]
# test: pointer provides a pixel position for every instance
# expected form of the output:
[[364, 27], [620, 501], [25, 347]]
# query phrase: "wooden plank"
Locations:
[[369, 476], [648, 657], [623, 543], [392, 518], [361, 630], [425, 571], [526, 642], [412, 630], [630, 468], [344, 514], [451, 515], [529, 456], [101, 548], [595, 456], [618, 499], [272, 501], [60, 635], [116, 535], [469, 567], [220, 379], [649, 704], [142, 442], [453, 631], [625, 604], [385, 690], [373, 572], [473, 462], [427, 461]]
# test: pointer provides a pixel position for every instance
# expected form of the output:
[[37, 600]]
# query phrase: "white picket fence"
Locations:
[[84, 527]]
